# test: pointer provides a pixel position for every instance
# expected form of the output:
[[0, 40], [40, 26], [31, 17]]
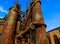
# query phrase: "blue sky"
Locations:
[[50, 10]]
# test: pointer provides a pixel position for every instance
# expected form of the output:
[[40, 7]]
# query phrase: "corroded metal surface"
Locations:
[[41, 37], [37, 35], [8, 35]]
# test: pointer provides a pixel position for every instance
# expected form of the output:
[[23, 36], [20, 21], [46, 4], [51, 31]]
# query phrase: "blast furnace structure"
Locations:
[[32, 30]]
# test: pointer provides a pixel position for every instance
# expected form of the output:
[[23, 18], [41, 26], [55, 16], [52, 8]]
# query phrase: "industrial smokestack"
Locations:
[[8, 36], [37, 19]]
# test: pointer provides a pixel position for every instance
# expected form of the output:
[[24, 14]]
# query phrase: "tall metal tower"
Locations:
[[37, 19], [8, 36]]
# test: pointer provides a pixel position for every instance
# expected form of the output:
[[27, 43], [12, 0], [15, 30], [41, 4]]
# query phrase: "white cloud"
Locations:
[[2, 9]]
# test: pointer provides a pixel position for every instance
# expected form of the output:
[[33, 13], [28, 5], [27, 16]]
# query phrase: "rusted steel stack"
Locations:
[[8, 35], [37, 19]]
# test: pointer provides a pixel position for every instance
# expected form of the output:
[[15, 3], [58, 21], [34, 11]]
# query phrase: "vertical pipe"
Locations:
[[18, 27], [27, 16], [8, 36]]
